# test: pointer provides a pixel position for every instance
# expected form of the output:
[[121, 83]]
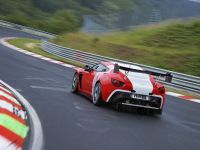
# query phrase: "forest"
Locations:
[[57, 16]]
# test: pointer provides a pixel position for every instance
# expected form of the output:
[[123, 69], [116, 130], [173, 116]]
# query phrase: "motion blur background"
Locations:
[[57, 16], [160, 33]]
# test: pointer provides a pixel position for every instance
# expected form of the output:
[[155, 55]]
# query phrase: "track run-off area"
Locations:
[[72, 122]]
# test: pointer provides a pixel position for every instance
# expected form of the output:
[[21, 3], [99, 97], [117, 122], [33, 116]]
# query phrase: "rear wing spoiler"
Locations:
[[168, 76]]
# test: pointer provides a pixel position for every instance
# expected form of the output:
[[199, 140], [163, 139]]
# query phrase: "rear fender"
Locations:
[[106, 86]]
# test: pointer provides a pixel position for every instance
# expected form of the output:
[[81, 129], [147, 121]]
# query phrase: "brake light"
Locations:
[[161, 90], [117, 83]]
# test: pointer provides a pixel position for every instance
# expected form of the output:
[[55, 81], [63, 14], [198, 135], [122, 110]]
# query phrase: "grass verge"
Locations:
[[34, 46], [173, 46]]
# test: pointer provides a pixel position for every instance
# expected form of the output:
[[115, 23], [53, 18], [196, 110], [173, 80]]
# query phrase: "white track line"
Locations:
[[48, 88]]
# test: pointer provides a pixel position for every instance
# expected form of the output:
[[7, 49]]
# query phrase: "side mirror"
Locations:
[[87, 68], [168, 78]]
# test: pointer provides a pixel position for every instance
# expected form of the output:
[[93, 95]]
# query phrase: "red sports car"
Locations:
[[121, 84]]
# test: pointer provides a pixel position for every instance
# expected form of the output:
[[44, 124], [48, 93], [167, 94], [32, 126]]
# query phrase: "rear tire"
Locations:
[[96, 96], [75, 83]]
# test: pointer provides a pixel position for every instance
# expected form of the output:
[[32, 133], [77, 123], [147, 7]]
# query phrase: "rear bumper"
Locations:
[[125, 98]]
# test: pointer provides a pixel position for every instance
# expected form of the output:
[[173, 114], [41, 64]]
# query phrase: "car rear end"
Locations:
[[145, 92], [128, 98]]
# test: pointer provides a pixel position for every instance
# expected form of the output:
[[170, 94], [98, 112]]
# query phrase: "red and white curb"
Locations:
[[184, 97], [4, 42], [13, 121]]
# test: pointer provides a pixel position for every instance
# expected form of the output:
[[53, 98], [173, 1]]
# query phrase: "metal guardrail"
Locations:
[[180, 80], [26, 29]]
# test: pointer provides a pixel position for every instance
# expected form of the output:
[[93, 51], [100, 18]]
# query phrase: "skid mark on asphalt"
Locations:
[[77, 106], [85, 108], [90, 112], [94, 125], [88, 119]]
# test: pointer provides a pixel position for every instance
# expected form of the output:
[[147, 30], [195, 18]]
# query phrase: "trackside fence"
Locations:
[[180, 80], [26, 29]]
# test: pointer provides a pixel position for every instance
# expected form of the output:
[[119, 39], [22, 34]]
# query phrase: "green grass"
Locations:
[[33, 45], [24, 42], [173, 45]]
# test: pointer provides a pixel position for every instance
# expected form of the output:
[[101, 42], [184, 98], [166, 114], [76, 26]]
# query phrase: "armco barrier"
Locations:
[[26, 29], [180, 81]]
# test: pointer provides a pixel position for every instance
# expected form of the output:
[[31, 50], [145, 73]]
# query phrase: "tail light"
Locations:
[[161, 90], [117, 83]]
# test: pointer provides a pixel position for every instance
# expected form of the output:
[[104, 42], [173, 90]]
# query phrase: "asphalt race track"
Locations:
[[72, 122]]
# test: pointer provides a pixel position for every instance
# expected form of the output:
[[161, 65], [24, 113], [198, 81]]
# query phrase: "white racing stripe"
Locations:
[[96, 78], [9, 97], [141, 82], [5, 144]]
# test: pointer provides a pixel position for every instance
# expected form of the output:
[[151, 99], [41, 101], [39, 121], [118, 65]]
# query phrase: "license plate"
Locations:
[[138, 96]]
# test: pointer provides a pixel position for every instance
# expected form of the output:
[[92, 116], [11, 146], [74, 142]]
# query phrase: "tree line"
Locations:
[[57, 16]]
